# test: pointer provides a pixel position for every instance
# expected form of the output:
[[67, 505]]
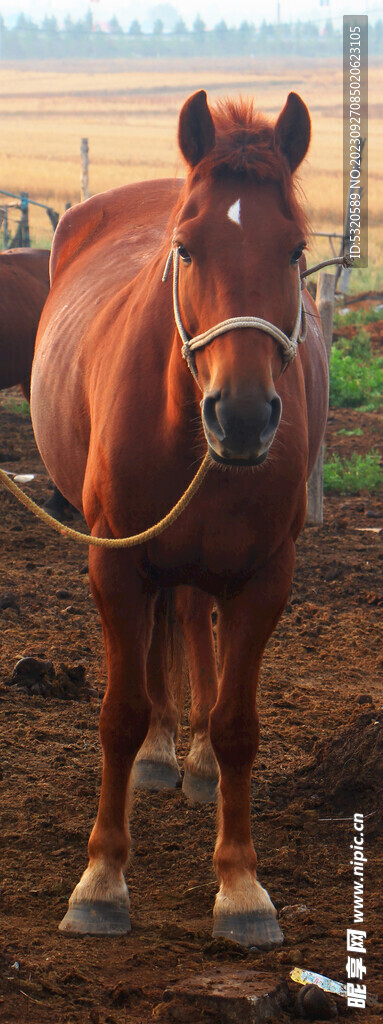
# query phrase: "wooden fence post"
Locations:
[[24, 220], [325, 300], [53, 217], [5, 228], [84, 169]]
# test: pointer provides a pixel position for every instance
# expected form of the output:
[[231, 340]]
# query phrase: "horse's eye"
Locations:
[[296, 255], [184, 255]]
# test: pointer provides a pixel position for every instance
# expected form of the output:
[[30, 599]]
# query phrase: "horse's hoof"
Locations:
[[155, 775], [98, 918], [249, 929], [199, 790]]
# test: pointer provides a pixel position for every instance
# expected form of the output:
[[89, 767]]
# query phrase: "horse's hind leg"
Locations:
[[100, 901], [194, 610], [156, 765], [243, 910]]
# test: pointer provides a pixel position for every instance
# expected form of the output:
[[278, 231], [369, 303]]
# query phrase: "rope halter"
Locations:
[[288, 343]]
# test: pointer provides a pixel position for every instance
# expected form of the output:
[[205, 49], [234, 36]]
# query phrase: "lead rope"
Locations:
[[175, 512], [111, 542]]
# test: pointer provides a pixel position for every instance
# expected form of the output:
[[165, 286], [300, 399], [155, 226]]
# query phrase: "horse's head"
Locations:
[[238, 238]]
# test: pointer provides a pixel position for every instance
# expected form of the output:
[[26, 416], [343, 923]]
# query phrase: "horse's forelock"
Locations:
[[245, 147]]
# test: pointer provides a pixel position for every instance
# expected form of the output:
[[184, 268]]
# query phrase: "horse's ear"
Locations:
[[292, 130], [196, 133]]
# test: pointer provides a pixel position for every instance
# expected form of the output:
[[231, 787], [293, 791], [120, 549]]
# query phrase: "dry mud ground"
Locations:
[[320, 760]]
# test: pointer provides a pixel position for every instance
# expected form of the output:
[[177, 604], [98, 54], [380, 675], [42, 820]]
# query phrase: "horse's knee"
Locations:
[[234, 736], [124, 724]]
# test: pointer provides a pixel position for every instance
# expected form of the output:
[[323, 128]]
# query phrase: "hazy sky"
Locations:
[[210, 10]]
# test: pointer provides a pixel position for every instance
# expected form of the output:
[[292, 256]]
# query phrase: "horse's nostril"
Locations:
[[276, 411], [241, 424], [275, 407], [209, 411]]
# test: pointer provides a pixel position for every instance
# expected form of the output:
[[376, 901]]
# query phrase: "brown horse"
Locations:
[[24, 286], [122, 439]]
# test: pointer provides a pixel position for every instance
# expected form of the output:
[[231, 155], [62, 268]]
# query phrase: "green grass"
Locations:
[[16, 405], [367, 280], [356, 432], [356, 375], [356, 317], [359, 473]]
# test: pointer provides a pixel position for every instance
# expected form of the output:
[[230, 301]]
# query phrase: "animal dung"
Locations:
[[38, 677]]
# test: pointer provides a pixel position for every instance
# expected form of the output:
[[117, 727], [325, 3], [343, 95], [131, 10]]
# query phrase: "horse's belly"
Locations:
[[211, 552], [60, 422]]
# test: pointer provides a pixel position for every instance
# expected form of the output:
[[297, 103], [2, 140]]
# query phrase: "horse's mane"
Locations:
[[245, 148]]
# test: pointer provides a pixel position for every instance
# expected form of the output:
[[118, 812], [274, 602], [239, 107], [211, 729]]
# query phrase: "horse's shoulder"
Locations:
[[75, 229], [109, 214]]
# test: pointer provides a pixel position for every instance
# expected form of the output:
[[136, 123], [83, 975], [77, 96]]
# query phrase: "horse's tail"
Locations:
[[178, 672]]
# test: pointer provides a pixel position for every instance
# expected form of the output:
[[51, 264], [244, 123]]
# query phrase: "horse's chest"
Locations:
[[209, 546]]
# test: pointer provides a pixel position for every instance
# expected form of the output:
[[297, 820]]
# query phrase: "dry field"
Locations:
[[129, 113]]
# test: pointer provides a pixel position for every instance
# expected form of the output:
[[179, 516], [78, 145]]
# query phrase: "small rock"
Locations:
[[312, 1002], [365, 698], [75, 672], [295, 912], [121, 994], [24, 478], [9, 600], [341, 523], [296, 956], [29, 671]]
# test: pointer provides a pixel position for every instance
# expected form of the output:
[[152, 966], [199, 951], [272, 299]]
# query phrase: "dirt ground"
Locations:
[[320, 760]]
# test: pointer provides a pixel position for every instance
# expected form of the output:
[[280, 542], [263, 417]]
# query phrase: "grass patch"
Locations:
[[20, 406], [356, 375], [350, 476], [356, 432], [357, 317]]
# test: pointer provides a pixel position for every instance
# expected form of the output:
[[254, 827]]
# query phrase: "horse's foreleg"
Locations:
[[243, 910], [194, 610], [156, 765], [100, 901]]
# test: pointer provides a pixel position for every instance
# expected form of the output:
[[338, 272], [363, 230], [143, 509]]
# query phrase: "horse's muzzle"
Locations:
[[239, 431]]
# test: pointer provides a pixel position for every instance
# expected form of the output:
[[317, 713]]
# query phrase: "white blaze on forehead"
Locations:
[[234, 213]]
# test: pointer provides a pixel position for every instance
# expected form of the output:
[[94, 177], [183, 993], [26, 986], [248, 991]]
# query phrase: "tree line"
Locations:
[[27, 40]]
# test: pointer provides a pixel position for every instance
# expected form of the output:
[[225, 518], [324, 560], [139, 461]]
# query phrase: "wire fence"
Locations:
[[14, 219]]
